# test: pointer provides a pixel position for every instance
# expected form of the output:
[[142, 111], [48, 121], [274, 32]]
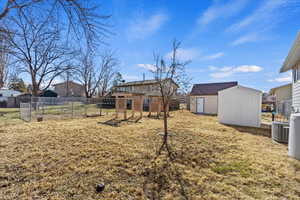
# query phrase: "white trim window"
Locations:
[[296, 74]]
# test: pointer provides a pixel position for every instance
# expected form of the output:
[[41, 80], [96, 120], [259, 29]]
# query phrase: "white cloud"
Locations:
[[282, 79], [130, 77], [229, 71], [221, 74], [251, 37], [213, 56], [146, 26], [193, 54], [268, 15], [248, 68], [263, 16], [226, 69], [221, 11], [212, 68], [185, 54], [149, 67]]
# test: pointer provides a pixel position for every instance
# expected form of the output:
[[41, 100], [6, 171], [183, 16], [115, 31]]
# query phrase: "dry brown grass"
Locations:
[[66, 159]]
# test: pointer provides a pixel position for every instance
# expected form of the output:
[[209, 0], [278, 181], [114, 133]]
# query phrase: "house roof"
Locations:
[[8, 93], [145, 82], [211, 88], [272, 91], [293, 58], [72, 82]]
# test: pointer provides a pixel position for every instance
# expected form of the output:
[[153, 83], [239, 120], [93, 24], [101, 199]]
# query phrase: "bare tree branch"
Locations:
[[38, 49], [83, 20], [96, 78]]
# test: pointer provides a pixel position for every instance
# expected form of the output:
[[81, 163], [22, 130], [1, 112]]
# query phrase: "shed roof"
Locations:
[[293, 58], [211, 88], [242, 87]]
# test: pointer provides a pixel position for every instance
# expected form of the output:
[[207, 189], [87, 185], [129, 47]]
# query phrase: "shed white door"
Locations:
[[200, 104]]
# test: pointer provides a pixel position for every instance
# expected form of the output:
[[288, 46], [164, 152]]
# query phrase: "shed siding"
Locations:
[[240, 106], [296, 96], [210, 104]]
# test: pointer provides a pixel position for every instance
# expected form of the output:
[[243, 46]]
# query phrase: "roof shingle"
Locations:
[[211, 88]]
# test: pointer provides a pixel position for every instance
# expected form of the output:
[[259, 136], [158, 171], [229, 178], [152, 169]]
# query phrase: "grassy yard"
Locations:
[[66, 159], [9, 116]]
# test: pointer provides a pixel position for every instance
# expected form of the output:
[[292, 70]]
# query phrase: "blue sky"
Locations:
[[227, 40]]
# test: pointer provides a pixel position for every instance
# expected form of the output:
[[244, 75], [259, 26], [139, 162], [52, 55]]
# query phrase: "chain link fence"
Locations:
[[284, 109], [25, 111], [43, 108]]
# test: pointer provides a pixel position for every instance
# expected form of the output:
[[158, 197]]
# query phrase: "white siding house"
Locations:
[[240, 106], [292, 62]]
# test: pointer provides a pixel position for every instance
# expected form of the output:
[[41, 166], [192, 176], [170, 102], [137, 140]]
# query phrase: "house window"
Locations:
[[296, 74], [1, 95]]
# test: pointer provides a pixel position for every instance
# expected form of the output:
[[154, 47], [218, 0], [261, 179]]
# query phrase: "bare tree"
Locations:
[[108, 69], [81, 17], [4, 61], [96, 78], [4, 71], [37, 48], [166, 73]]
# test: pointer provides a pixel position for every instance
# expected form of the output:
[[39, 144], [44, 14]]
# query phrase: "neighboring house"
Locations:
[[5, 93], [292, 62], [282, 93], [268, 102], [147, 87], [267, 97], [7, 98], [204, 97], [69, 89], [240, 106]]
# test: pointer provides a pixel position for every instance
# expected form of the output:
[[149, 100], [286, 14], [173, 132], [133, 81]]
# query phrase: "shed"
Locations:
[[204, 97], [240, 106]]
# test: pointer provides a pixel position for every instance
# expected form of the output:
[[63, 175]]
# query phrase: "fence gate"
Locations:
[[25, 111]]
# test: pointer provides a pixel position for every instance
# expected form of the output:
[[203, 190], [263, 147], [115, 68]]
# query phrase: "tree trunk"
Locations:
[[165, 124], [166, 134], [35, 90], [1, 83]]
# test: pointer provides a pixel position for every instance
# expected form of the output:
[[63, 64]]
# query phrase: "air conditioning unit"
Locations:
[[280, 132], [294, 139]]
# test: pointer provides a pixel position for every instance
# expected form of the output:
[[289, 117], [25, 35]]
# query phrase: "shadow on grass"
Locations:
[[252, 130], [118, 122], [112, 122], [160, 179]]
